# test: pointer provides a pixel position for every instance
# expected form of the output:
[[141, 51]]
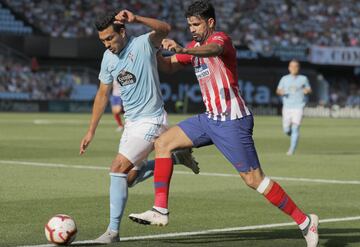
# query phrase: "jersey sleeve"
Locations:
[[281, 83], [306, 83], [222, 40], [144, 44], [183, 58], [105, 75]]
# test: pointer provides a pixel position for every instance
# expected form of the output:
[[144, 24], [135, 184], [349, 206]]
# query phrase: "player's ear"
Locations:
[[122, 32], [211, 22]]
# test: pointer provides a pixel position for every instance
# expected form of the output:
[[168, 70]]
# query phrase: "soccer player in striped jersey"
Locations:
[[227, 123]]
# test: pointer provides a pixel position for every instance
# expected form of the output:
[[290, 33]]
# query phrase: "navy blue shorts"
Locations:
[[233, 138], [116, 101]]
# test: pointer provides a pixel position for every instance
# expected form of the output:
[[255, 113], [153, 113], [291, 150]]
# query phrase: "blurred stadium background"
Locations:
[[49, 61], [50, 53]]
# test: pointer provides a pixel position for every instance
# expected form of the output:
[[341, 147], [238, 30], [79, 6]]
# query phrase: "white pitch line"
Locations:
[[204, 232], [208, 174]]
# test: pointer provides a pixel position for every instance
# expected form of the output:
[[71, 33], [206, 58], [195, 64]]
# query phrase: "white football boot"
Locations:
[[108, 237], [151, 217], [311, 234], [184, 156]]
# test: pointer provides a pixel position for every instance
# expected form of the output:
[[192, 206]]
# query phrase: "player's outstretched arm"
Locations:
[[100, 102], [209, 50], [160, 29], [168, 65]]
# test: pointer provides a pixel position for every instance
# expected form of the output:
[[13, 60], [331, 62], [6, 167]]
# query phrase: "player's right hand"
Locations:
[[85, 142], [171, 45], [125, 16]]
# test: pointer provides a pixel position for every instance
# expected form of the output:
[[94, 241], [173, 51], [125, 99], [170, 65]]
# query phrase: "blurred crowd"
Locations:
[[19, 77], [258, 24], [344, 94]]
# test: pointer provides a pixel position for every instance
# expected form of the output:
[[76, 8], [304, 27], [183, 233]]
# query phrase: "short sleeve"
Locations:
[[281, 83], [105, 75], [219, 38], [306, 83], [144, 43], [222, 40]]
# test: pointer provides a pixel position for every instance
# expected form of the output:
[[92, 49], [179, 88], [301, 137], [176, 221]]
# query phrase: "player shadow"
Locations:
[[329, 237], [87, 244], [337, 153]]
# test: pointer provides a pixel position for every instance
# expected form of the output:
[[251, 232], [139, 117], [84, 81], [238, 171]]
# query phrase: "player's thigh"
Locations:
[[297, 116], [195, 128], [286, 119], [234, 140], [172, 139], [138, 138]]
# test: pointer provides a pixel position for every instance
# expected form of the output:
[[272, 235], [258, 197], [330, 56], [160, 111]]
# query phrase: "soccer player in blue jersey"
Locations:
[[131, 62], [293, 88]]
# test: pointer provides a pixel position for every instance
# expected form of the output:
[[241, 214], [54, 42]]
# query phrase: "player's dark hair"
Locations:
[[295, 61], [201, 8], [103, 21]]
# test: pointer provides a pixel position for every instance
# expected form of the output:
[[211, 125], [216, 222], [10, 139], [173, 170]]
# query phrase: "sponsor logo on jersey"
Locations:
[[126, 78], [202, 71]]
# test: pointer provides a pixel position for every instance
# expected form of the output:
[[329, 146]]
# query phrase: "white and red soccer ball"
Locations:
[[61, 229]]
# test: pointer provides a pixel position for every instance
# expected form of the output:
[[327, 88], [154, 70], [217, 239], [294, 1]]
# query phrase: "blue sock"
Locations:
[[118, 198], [294, 137], [146, 171]]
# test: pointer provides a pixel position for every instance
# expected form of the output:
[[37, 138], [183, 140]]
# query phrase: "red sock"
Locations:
[[118, 119], [162, 176], [280, 199]]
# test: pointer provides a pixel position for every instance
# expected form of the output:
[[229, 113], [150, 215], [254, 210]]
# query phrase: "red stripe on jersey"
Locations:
[[225, 83], [213, 72], [218, 79]]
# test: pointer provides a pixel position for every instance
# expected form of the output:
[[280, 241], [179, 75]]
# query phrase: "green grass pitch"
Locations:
[[329, 149]]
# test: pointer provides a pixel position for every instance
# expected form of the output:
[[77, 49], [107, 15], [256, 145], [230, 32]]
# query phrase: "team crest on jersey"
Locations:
[[202, 71], [126, 78]]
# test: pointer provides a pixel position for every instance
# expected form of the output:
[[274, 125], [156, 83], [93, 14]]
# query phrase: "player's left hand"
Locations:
[[125, 16], [171, 45], [85, 142]]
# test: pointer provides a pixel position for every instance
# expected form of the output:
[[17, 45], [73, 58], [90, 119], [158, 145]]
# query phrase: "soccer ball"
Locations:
[[61, 229]]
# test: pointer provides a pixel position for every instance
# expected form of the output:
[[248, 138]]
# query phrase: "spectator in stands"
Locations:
[[261, 25]]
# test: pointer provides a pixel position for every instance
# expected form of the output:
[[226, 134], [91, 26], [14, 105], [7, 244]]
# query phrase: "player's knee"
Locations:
[[161, 145], [251, 179], [119, 166]]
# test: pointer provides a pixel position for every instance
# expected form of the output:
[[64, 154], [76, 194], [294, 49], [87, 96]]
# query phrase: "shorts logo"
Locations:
[[126, 78], [202, 71]]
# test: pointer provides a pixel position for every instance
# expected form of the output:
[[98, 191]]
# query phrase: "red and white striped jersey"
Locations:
[[218, 79]]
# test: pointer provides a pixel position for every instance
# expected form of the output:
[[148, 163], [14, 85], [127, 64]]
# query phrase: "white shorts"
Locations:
[[137, 140], [291, 116]]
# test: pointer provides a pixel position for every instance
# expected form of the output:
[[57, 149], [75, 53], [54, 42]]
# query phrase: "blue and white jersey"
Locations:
[[135, 70], [293, 86]]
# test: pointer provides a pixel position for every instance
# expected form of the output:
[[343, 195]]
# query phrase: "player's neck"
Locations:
[[126, 41], [208, 34]]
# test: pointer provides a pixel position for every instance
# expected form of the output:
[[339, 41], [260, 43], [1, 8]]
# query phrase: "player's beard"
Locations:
[[203, 37]]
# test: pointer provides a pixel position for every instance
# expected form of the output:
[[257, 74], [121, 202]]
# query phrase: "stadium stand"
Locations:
[[9, 24], [19, 81], [257, 24]]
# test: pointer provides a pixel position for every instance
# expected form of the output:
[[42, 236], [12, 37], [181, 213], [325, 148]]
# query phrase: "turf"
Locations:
[[30, 195]]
